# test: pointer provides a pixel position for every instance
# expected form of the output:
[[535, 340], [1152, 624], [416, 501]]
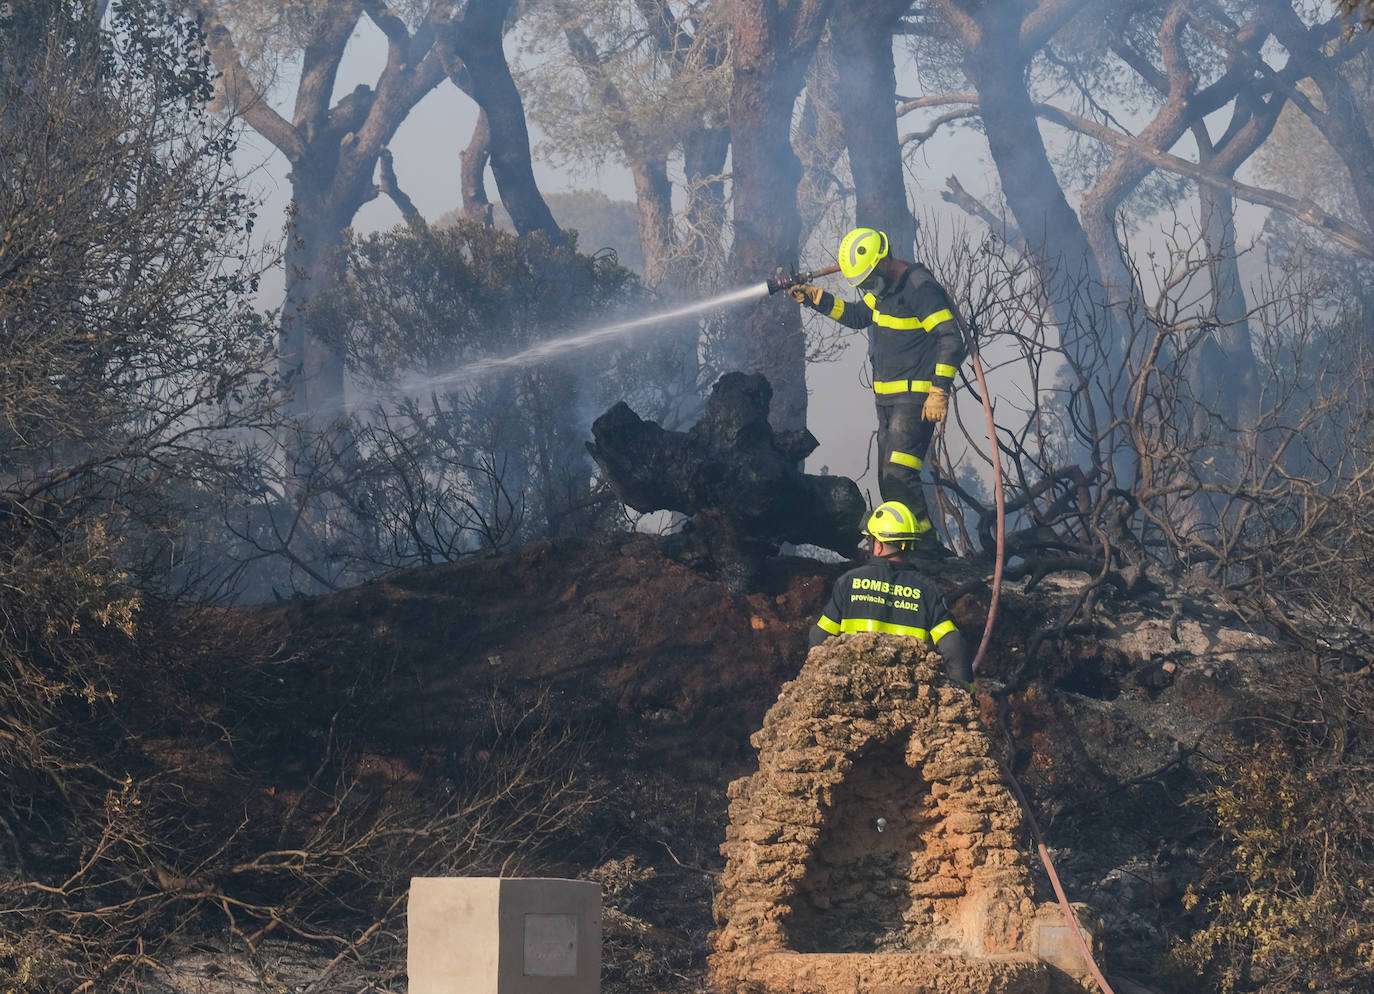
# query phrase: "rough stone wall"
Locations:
[[876, 840]]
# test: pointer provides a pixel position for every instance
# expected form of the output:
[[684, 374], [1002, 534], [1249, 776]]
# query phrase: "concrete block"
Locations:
[[503, 935]]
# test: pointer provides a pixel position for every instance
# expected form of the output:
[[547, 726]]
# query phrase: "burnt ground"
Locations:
[[659, 675]]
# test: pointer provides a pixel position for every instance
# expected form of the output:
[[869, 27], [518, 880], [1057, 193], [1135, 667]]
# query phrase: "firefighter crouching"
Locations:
[[889, 594]]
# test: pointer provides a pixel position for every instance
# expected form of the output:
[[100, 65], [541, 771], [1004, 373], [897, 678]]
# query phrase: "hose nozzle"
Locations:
[[781, 282]]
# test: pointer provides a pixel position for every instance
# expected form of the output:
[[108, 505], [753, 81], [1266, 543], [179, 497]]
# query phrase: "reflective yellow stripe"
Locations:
[[826, 625], [900, 324], [939, 317], [905, 459], [869, 625], [922, 525], [942, 370], [901, 386], [905, 324], [837, 309], [941, 630]]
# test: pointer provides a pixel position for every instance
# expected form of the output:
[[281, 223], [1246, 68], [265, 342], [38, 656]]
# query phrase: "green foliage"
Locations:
[[431, 301], [470, 440], [607, 82], [130, 360], [1285, 905]]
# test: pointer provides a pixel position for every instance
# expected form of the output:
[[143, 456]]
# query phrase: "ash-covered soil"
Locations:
[[657, 675]]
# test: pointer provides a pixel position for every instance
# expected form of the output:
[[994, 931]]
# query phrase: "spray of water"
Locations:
[[418, 385]]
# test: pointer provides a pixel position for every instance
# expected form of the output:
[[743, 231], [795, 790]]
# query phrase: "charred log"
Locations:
[[735, 477]]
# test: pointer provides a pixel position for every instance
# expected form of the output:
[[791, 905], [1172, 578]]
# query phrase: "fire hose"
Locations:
[[1041, 849]]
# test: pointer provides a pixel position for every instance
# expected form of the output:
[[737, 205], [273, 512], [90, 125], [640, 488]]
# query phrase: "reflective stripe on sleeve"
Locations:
[[941, 630], [942, 370], [869, 625], [826, 625], [905, 459], [837, 309], [939, 317]]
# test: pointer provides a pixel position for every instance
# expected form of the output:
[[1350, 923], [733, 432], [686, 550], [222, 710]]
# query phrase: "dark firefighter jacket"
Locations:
[[915, 341], [892, 596]]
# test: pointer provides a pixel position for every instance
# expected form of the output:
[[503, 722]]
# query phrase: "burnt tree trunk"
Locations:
[[773, 44], [997, 50], [731, 473], [861, 39]]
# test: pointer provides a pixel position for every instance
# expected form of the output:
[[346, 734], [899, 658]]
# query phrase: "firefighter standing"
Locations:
[[888, 594], [916, 348]]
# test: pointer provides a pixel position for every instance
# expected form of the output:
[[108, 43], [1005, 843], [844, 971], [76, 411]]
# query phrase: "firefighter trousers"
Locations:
[[903, 438]]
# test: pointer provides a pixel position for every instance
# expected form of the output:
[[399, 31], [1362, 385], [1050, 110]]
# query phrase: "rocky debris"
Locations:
[[738, 479], [878, 823], [1116, 727]]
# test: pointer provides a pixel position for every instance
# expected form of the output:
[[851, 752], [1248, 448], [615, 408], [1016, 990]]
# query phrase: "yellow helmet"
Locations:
[[860, 251], [891, 522]]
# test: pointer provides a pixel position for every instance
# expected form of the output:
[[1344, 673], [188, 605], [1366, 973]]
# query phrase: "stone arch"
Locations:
[[849, 899], [815, 898]]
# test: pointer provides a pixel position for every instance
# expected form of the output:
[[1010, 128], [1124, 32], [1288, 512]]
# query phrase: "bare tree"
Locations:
[[334, 147], [1286, 534], [859, 41], [476, 61], [772, 45]]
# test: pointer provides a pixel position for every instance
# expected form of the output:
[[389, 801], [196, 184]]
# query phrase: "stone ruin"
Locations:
[[877, 849]]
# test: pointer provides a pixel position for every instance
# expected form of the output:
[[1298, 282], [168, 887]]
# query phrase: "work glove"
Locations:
[[937, 405], [805, 293]]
